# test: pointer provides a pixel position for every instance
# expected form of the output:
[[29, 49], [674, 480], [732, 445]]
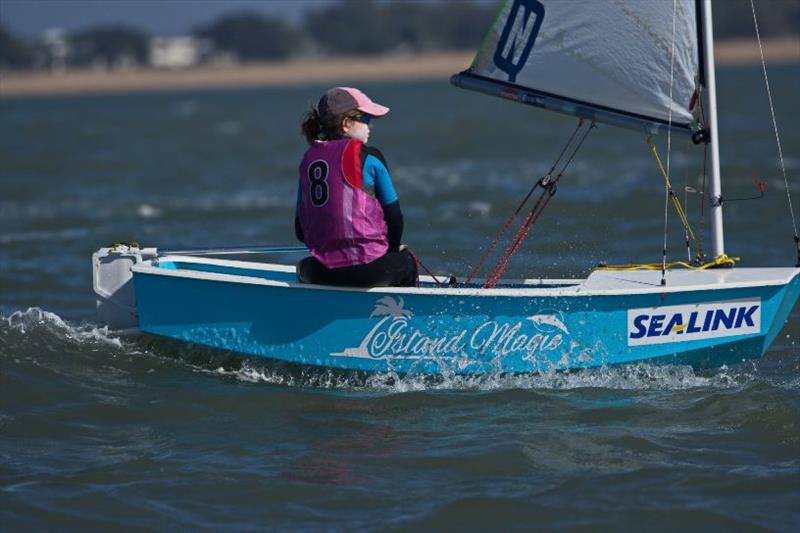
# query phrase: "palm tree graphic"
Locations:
[[387, 309], [391, 307]]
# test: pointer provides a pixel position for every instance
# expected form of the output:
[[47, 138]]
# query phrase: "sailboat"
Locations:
[[641, 65]]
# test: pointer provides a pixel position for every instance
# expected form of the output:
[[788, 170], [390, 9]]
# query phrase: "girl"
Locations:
[[348, 213]]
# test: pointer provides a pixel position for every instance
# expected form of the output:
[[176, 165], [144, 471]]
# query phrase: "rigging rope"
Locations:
[[722, 261], [668, 190], [686, 203], [421, 264], [777, 135], [700, 251], [476, 269], [549, 187], [675, 201]]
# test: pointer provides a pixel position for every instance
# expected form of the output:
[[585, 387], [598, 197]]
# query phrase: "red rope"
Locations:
[[495, 242], [505, 227], [419, 264], [519, 238], [548, 186]]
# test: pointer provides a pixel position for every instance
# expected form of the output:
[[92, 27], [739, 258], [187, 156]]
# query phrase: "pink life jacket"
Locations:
[[342, 224]]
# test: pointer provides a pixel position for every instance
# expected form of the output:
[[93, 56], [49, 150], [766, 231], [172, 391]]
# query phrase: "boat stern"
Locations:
[[112, 281]]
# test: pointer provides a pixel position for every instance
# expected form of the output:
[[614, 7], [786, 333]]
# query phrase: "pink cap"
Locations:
[[365, 104], [343, 99]]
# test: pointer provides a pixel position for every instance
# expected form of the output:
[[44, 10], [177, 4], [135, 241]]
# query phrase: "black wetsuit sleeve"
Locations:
[[372, 151], [394, 224], [298, 229]]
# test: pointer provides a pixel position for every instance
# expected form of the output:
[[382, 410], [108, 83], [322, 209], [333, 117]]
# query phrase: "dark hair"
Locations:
[[317, 128]]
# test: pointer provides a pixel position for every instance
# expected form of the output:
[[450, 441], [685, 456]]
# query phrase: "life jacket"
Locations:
[[342, 225]]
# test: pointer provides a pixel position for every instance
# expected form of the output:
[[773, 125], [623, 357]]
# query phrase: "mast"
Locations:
[[717, 237]]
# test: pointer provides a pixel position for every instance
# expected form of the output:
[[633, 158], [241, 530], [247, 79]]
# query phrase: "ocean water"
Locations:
[[102, 432]]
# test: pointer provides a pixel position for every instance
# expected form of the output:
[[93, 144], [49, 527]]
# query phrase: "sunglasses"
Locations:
[[363, 118]]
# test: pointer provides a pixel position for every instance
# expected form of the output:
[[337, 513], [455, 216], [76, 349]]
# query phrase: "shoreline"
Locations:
[[310, 71]]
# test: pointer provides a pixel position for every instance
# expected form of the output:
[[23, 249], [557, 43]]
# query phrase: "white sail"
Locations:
[[608, 60]]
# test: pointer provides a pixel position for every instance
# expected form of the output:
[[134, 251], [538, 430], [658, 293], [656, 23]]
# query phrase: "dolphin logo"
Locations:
[[548, 320]]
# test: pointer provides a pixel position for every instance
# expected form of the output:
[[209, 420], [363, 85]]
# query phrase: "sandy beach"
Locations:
[[310, 71]]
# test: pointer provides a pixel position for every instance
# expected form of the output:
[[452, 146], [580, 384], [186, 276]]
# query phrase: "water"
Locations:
[[101, 432]]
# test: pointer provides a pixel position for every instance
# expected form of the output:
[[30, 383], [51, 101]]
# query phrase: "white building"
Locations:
[[58, 49], [175, 52]]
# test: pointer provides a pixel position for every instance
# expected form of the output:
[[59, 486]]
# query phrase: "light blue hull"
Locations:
[[524, 328]]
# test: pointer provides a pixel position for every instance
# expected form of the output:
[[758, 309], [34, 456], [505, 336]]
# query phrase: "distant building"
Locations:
[[176, 52], [57, 49]]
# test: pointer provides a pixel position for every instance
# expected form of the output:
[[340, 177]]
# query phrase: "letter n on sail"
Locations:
[[519, 34]]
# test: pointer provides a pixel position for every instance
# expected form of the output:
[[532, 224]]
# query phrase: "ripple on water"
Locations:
[[98, 417]]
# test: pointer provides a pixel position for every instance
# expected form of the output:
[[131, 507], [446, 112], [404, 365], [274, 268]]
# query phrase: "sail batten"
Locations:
[[607, 60]]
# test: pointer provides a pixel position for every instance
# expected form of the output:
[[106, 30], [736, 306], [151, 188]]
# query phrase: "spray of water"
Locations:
[[627, 377], [34, 323], [38, 321]]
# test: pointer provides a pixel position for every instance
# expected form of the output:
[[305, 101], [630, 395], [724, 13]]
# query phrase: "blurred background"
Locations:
[[133, 34], [53, 34]]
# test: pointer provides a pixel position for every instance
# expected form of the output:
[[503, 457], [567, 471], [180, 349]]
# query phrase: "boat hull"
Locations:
[[264, 313]]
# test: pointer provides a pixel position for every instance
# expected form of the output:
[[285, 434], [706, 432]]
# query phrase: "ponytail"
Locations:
[[317, 128], [312, 125]]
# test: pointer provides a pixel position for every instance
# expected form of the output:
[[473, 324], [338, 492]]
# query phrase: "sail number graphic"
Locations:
[[318, 178], [519, 33]]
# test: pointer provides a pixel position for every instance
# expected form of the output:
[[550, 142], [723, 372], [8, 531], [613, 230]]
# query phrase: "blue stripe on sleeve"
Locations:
[[376, 174]]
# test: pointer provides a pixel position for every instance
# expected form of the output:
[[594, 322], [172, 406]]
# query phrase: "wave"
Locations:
[[243, 199], [640, 376], [34, 328], [67, 234], [36, 322]]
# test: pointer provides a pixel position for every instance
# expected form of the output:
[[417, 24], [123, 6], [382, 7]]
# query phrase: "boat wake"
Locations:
[[638, 376], [35, 324], [36, 332]]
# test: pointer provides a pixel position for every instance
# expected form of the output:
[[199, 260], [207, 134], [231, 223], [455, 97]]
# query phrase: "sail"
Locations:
[[604, 60]]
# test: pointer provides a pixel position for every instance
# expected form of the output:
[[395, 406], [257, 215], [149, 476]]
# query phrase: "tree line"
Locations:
[[350, 27]]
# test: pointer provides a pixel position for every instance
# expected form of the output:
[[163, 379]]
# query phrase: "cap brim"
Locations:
[[376, 110]]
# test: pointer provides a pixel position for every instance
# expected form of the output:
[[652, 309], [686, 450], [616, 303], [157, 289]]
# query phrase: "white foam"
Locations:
[[245, 199], [34, 318], [148, 211], [639, 376], [628, 377]]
